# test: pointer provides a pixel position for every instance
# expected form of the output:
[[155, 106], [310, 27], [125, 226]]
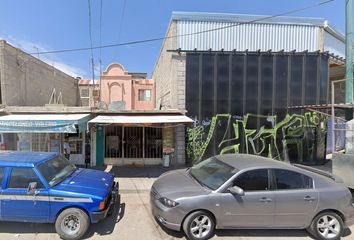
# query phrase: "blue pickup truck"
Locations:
[[47, 188]]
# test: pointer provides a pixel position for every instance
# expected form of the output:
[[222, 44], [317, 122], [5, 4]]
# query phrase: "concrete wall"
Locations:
[[28, 81]]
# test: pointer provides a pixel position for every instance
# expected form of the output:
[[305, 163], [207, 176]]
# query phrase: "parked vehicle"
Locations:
[[47, 188], [247, 191]]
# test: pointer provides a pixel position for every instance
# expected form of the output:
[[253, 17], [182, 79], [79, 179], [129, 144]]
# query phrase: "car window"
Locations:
[[2, 172], [21, 177], [254, 180], [286, 179]]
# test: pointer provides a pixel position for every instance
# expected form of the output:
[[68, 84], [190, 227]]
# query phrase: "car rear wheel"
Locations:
[[199, 225], [72, 224], [327, 226]]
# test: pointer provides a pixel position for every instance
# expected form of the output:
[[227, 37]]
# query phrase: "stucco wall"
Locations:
[[28, 81], [116, 85], [143, 105]]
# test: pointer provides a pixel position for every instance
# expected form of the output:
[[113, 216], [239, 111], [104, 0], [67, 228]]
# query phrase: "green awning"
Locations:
[[44, 123]]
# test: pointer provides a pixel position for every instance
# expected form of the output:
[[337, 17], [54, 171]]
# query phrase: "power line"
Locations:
[[121, 19], [91, 48], [186, 34]]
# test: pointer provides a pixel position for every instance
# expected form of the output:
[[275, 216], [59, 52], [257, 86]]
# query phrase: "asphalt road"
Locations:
[[134, 221]]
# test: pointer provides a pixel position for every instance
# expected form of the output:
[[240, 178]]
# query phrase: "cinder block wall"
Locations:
[[165, 71], [170, 78], [28, 81]]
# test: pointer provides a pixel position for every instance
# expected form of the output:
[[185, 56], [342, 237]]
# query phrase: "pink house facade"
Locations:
[[127, 91]]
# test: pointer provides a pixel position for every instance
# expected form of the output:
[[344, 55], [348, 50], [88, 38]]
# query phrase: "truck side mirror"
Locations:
[[32, 186]]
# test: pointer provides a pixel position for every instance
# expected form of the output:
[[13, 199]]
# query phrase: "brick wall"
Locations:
[[28, 81]]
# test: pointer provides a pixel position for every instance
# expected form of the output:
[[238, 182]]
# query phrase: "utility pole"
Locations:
[[349, 58]]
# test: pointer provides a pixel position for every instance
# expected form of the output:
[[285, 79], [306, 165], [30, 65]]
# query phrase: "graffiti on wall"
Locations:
[[295, 138]]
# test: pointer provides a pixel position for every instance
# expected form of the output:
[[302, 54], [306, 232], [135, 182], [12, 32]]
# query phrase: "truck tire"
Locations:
[[72, 224]]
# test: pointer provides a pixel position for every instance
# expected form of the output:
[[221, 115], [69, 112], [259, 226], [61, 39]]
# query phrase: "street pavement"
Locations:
[[134, 221]]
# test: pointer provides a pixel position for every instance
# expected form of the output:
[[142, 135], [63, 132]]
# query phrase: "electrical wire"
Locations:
[[184, 35], [121, 20]]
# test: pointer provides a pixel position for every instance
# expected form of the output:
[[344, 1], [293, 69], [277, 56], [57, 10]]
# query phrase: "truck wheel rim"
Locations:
[[70, 224], [328, 227], [200, 226]]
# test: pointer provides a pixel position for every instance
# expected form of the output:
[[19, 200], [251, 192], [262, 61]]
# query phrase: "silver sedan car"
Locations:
[[247, 191]]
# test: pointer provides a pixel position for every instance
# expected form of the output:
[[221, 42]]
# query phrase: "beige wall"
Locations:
[[28, 81], [170, 79]]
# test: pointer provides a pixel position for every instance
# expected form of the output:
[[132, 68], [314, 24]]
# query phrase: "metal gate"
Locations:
[[133, 142]]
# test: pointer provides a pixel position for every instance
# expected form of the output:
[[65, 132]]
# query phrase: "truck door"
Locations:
[[2, 173], [19, 205]]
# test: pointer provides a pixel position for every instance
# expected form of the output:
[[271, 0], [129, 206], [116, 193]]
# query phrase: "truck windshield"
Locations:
[[56, 170]]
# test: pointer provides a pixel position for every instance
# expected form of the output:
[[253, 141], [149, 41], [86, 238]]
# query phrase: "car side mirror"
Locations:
[[236, 190], [32, 186]]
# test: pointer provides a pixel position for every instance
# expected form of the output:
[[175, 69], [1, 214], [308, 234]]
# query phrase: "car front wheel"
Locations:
[[72, 224], [199, 225], [327, 226]]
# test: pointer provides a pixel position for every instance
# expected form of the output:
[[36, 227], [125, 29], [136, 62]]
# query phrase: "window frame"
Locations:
[[275, 185], [145, 99], [40, 184], [232, 180], [3, 180]]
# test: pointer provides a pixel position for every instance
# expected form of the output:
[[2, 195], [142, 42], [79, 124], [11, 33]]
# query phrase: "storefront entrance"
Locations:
[[132, 145]]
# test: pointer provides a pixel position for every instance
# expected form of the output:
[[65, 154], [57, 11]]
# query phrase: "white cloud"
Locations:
[[32, 47]]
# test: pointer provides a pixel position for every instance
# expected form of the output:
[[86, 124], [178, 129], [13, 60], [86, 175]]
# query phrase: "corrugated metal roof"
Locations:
[[230, 17], [279, 33], [253, 36]]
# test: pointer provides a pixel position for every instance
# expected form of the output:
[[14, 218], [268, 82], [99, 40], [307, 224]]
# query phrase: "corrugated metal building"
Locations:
[[211, 36]]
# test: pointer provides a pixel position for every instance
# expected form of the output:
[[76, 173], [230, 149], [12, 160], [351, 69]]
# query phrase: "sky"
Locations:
[[46, 25]]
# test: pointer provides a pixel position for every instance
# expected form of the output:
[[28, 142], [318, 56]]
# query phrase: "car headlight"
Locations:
[[168, 202]]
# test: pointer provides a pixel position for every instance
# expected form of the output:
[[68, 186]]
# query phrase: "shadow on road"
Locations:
[[104, 227], [139, 172], [253, 233], [107, 225]]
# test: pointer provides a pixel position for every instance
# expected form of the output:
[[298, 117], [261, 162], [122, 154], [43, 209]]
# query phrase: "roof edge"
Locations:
[[231, 17]]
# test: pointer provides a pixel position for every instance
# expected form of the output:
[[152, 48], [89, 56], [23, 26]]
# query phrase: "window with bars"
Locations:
[[75, 142], [153, 142], [129, 142], [84, 92], [113, 142], [40, 142]]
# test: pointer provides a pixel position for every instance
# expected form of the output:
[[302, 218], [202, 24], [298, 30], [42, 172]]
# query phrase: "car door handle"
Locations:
[[309, 198], [265, 200]]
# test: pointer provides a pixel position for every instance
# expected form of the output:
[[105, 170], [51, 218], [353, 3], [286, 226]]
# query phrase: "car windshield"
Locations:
[[212, 173], [56, 170]]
